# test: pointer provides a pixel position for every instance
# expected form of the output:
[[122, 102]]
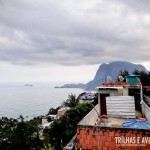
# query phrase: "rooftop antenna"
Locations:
[[109, 79], [121, 78]]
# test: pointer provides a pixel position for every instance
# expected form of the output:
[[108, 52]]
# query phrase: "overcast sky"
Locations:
[[67, 40]]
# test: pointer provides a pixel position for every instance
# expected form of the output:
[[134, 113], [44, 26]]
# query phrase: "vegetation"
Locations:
[[53, 111], [66, 126], [123, 74], [20, 134], [144, 77], [17, 134], [72, 101], [48, 147]]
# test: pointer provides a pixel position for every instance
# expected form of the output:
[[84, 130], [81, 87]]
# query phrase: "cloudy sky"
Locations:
[[66, 40]]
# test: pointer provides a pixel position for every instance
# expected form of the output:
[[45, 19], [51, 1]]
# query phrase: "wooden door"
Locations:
[[103, 103]]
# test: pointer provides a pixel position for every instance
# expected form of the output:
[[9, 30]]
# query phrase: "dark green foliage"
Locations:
[[144, 77], [47, 147], [77, 113], [17, 134], [53, 111], [62, 130], [95, 102], [72, 101], [49, 119], [20, 134], [123, 74]]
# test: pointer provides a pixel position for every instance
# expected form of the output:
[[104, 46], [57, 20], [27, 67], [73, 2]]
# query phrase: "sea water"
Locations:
[[33, 99]]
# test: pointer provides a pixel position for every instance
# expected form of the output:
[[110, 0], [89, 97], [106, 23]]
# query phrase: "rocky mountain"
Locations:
[[73, 85], [112, 69]]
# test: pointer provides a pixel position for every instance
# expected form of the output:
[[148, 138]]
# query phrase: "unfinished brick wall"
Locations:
[[105, 138]]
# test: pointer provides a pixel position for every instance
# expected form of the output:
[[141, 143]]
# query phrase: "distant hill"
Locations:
[[72, 85], [112, 69]]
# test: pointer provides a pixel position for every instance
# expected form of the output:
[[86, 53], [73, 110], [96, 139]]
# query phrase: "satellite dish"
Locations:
[[121, 78], [109, 79]]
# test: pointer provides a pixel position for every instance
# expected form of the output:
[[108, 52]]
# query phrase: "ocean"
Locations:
[[30, 101]]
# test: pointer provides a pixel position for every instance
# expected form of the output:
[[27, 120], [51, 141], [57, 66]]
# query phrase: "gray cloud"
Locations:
[[74, 33]]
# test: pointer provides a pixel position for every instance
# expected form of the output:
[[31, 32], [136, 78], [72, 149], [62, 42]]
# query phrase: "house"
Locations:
[[116, 122], [87, 97], [44, 120], [62, 111]]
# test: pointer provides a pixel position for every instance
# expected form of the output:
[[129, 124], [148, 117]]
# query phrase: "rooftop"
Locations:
[[119, 84], [115, 84], [92, 119], [113, 121]]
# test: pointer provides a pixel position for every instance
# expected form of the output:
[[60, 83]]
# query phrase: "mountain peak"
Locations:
[[112, 69]]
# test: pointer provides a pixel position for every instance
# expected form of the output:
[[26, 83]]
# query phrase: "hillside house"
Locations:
[[62, 111], [104, 124]]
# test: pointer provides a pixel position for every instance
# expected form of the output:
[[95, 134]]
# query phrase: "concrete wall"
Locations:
[[115, 92], [44, 121], [146, 110], [104, 138], [110, 92], [91, 117]]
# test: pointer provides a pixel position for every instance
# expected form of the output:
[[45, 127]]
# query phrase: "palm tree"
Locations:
[[72, 101], [48, 147]]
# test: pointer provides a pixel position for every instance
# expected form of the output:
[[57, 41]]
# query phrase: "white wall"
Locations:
[[146, 110]]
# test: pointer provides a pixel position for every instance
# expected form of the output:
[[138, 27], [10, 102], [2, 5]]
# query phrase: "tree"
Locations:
[[17, 134], [144, 77], [53, 111], [123, 74], [66, 126], [48, 147], [72, 101]]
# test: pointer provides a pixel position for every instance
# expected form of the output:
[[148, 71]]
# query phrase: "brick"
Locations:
[[91, 143], [79, 136], [128, 134], [113, 139], [97, 138], [103, 138], [111, 133], [91, 132], [107, 144], [86, 142], [82, 141], [139, 135], [122, 134], [84, 136], [117, 134], [133, 135], [102, 144], [105, 148], [108, 139], [96, 132], [101, 133], [88, 137], [94, 148], [113, 144], [94, 136], [105, 133], [82, 132]]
